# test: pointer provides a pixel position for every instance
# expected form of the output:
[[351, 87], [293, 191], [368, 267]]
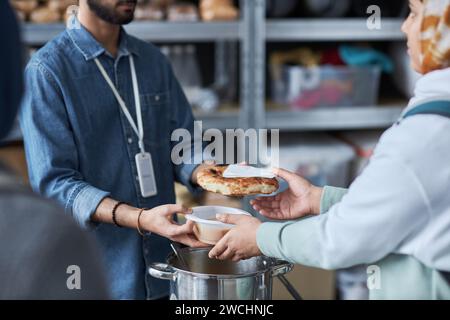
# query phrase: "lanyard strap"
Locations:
[[139, 129]]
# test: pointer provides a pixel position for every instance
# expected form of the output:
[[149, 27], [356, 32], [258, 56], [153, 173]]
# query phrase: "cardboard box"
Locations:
[[311, 284], [13, 156]]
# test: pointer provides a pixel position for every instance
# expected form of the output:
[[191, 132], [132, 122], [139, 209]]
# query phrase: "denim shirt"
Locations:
[[81, 148]]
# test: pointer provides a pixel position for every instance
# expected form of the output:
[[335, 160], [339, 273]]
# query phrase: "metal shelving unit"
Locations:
[[218, 120], [253, 32], [349, 29], [346, 118], [346, 29], [180, 32], [34, 34]]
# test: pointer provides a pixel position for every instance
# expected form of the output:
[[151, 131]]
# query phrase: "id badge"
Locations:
[[146, 175]]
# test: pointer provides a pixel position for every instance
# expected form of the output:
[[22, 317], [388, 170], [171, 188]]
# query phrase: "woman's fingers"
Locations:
[[268, 207], [273, 204], [218, 249], [290, 177], [273, 214], [266, 203], [226, 255]]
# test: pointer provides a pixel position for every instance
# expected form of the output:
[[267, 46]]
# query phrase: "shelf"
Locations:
[[38, 34], [276, 31], [349, 29], [339, 118], [185, 32], [218, 120]]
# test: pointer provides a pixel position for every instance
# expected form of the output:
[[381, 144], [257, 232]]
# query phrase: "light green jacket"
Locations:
[[393, 277]]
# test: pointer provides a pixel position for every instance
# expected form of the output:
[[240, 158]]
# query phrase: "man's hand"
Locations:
[[159, 220], [240, 242], [299, 200]]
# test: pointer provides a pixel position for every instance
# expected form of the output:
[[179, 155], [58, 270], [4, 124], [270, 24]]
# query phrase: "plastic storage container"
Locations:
[[327, 86]]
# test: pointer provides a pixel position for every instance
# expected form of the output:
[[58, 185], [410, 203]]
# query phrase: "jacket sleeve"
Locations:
[[384, 206], [51, 149], [330, 197]]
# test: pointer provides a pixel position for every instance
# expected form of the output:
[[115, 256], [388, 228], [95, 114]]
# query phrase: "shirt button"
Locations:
[[130, 141], [157, 98]]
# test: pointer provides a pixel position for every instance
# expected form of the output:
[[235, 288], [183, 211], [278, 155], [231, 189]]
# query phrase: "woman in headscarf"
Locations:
[[396, 215]]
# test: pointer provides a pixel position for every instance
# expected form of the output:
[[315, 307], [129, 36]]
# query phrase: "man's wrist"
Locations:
[[146, 221], [127, 216]]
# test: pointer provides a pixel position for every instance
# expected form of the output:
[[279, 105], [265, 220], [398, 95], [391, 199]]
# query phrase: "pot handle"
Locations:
[[281, 268], [162, 271]]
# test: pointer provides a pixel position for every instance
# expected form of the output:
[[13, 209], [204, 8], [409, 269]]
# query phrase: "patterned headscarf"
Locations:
[[436, 35]]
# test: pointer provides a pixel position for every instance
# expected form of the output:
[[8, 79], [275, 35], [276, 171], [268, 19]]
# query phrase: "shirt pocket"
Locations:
[[155, 116]]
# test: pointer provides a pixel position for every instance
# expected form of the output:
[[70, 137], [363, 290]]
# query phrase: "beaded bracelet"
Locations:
[[114, 218]]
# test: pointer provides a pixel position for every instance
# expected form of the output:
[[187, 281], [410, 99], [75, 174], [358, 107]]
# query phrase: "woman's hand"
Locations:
[[240, 242], [159, 220], [299, 200]]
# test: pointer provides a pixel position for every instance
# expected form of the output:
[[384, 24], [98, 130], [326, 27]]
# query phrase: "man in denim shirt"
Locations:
[[81, 147]]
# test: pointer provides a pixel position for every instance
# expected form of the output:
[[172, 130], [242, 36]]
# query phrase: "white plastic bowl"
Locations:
[[207, 229]]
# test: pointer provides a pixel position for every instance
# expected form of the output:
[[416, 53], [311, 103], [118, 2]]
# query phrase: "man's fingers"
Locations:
[[190, 224], [177, 230], [190, 241], [171, 209]]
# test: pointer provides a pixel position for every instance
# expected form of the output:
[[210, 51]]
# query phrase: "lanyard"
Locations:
[[139, 129]]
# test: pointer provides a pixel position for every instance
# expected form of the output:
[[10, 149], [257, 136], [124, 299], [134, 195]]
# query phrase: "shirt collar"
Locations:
[[90, 48]]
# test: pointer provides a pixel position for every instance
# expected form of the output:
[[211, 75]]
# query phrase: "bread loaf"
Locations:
[[218, 10], [24, 6], [60, 5], [45, 15], [148, 12]]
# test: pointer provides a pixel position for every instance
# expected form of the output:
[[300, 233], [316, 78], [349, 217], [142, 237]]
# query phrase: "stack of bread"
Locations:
[[53, 11], [151, 9], [213, 10], [42, 11]]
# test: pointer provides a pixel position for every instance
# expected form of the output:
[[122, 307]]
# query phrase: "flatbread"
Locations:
[[212, 179]]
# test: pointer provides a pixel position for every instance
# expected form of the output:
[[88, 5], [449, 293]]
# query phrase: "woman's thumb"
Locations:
[[285, 174]]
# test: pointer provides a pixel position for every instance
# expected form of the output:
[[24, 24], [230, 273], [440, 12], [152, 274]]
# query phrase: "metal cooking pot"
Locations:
[[202, 278]]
